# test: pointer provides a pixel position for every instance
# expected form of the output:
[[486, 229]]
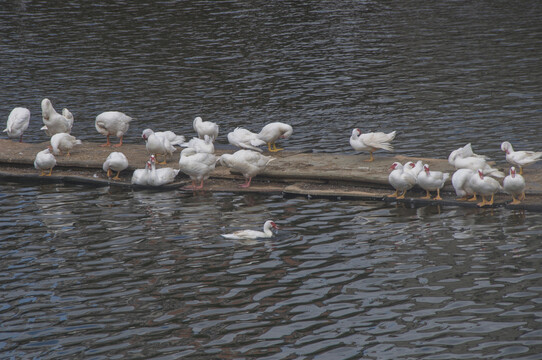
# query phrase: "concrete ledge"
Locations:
[[337, 176]]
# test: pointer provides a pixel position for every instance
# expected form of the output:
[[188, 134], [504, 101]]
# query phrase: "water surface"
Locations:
[[100, 273], [440, 73], [105, 273]]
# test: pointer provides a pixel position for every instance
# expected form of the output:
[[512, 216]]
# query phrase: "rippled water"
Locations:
[[468, 72], [105, 273], [96, 273]]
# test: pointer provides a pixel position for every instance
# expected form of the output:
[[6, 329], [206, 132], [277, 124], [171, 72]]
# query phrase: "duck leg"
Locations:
[[515, 201], [120, 142], [117, 176], [194, 186], [402, 196], [163, 162], [395, 194], [473, 198], [50, 172], [371, 157], [108, 173], [107, 143], [438, 195], [273, 147], [490, 202], [191, 187], [247, 183], [427, 196], [484, 202]]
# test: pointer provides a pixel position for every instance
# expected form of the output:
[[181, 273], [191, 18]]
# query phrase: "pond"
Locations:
[[106, 273]]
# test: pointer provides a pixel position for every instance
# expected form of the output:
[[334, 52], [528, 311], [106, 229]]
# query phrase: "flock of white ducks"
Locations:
[[197, 160], [473, 177]]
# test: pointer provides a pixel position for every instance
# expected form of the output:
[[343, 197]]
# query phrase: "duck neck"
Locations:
[[267, 230]]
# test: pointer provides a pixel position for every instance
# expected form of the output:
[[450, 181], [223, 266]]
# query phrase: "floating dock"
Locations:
[[338, 176]]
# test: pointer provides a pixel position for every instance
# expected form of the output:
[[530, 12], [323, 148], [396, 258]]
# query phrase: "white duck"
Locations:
[[247, 162], [461, 184], [253, 234], [245, 139], [116, 161], [157, 144], [141, 176], [473, 162], [205, 128], [63, 142], [18, 121], [431, 181], [413, 168], [114, 123], [520, 158], [371, 141], [514, 184], [484, 186], [53, 122], [173, 138], [401, 180], [69, 116], [204, 145], [161, 176], [464, 152], [198, 166], [270, 133], [45, 161]]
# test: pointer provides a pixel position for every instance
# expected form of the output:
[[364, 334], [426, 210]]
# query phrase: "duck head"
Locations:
[[513, 172], [426, 168]]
